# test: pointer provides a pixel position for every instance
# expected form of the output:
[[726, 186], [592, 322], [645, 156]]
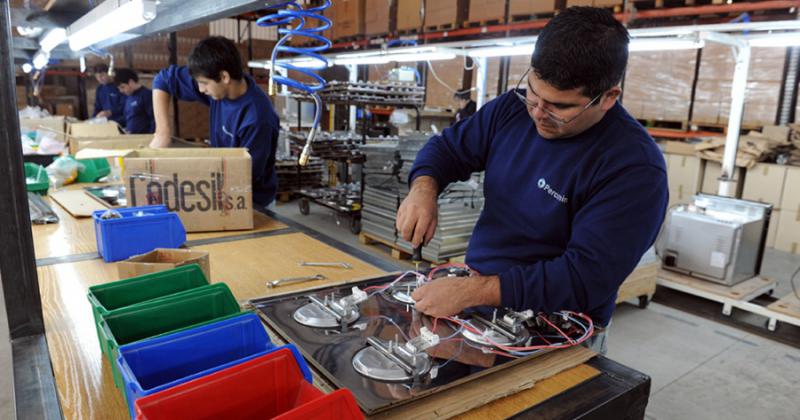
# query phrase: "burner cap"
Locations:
[[451, 272], [373, 364], [401, 292], [315, 316]]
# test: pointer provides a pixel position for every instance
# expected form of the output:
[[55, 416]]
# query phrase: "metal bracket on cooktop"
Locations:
[[394, 362], [330, 312]]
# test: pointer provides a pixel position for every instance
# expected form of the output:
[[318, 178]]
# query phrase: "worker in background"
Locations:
[[466, 106], [138, 104], [241, 114], [575, 188], [108, 101]]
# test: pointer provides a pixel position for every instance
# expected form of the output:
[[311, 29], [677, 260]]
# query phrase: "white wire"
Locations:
[[435, 76]]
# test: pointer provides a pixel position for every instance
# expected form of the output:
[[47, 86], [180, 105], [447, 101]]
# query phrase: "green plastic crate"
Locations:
[[156, 317], [93, 169], [36, 178], [107, 297]]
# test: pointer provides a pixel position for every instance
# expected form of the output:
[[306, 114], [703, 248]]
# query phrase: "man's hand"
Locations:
[[160, 140], [103, 114], [418, 214], [451, 295]]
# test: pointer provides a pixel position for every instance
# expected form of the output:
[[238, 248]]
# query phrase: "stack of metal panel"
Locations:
[[387, 185], [380, 189], [293, 177]]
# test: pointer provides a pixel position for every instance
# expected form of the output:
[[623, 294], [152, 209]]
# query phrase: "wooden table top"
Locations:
[[83, 377], [72, 236]]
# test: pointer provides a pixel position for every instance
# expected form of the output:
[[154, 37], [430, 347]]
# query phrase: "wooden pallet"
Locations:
[[682, 125], [408, 32], [641, 284], [721, 127], [480, 23], [739, 296], [441, 27], [398, 253], [529, 17]]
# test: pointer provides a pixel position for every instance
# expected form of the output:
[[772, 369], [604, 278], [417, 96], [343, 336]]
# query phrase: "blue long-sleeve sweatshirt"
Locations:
[[249, 121], [109, 98], [139, 112], [565, 221]]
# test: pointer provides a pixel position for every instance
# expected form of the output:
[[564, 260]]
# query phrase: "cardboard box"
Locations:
[[711, 173], [677, 147], [210, 189], [764, 183], [161, 259], [791, 190], [55, 125], [571, 3], [788, 236], [530, 7], [85, 129], [684, 173], [772, 233], [121, 142], [376, 17], [348, 18], [777, 133], [442, 12], [487, 10], [409, 15]]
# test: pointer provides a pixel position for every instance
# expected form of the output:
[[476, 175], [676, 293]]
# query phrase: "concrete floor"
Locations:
[[700, 369]]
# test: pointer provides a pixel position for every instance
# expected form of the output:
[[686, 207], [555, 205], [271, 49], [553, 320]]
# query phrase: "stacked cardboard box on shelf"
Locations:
[[658, 84], [487, 10], [376, 17], [409, 15], [787, 237], [348, 18], [712, 96], [765, 183], [444, 13], [529, 7]]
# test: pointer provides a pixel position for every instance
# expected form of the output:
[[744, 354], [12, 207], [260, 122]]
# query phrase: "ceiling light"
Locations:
[[525, 49], [665, 44], [775, 40], [27, 68], [110, 18], [53, 38], [40, 60]]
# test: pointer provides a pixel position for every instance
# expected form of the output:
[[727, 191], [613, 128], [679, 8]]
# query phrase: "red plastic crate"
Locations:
[[270, 386]]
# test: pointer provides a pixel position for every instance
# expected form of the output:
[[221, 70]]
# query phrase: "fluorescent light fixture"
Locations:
[[775, 40], [502, 51], [27, 68], [83, 64], [52, 39], [665, 44], [110, 18], [40, 60], [400, 55]]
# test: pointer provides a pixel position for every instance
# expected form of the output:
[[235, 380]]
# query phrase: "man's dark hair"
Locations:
[[582, 47], [213, 55], [101, 68], [124, 76], [463, 94]]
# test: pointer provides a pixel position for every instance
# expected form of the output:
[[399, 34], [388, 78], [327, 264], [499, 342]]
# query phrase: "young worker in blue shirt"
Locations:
[[575, 187], [241, 114], [138, 102], [108, 101]]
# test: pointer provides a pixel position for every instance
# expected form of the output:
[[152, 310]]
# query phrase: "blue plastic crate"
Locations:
[[139, 230], [156, 364]]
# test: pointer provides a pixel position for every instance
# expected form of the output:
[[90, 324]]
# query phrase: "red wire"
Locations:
[[544, 318]]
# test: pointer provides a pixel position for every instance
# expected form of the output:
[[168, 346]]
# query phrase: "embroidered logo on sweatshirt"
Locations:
[[226, 132], [543, 185]]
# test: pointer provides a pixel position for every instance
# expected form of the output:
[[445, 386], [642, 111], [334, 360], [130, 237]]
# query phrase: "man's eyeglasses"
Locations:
[[532, 100]]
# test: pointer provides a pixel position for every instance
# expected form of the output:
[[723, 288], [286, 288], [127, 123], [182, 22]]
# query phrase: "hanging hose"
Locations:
[[293, 13]]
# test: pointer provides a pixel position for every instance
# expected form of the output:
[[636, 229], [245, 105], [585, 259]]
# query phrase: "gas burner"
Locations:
[[401, 292], [450, 271], [393, 362], [508, 330], [330, 312]]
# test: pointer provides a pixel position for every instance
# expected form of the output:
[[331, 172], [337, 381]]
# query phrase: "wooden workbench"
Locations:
[[83, 378]]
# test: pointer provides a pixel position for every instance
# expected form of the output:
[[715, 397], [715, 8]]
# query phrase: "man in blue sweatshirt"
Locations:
[[241, 114], [138, 104], [108, 101], [575, 188]]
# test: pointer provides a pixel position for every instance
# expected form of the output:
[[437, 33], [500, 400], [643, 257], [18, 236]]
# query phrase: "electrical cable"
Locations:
[[284, 18], [435, 76]]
